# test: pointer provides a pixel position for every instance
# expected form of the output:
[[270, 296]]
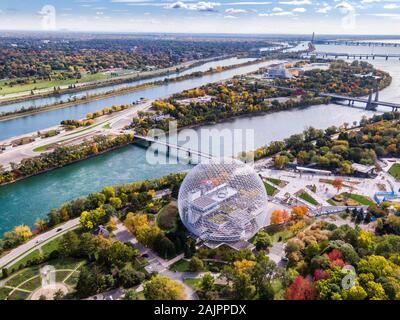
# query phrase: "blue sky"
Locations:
[[215, 16]]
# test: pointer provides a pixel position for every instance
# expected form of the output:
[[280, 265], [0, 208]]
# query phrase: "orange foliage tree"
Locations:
[[279, 216], [299, 211], [337, 183]]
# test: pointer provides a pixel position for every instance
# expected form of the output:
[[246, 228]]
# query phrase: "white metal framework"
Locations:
[[223, 200]]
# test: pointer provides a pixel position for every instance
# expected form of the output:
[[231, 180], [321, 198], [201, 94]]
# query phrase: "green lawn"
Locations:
[[194, 283], [180, 266], [275, 181], [283, 235], [23, 261], [305, 196], [363, 200], [270, 189], [43, 84], [4, 292], [395, 171]]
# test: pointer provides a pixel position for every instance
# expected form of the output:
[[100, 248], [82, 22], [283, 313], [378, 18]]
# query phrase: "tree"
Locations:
[[299, 211], [24, 232], [90, 282], [92, 218], [40, 225], [337, 183], [196, 264], [281, 161], [301, 289], [263, 240], [130, 277], [69, 244], [279, 216], [164, 246], [163, 288], [266, 291], [242, 287], [207, 282]]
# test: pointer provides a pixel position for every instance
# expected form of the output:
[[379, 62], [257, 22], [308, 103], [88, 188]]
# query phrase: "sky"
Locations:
[[192, 16]]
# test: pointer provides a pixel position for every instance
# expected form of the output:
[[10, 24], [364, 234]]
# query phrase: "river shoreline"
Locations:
[[121, 91], [107, 82]]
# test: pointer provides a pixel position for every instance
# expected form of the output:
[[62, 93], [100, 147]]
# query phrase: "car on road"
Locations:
[[59, 229], [38, 240]]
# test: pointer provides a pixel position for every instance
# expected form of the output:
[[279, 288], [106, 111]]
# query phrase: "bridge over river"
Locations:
[[360, 56], [371, 103], [189, 152]]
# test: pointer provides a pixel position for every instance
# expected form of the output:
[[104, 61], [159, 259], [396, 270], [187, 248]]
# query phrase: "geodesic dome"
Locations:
[[223, 200]]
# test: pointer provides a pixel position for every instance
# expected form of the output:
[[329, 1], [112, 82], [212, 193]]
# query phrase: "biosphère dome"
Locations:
[[223, 200]]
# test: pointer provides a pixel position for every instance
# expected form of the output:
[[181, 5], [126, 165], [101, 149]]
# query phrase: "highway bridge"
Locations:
[[371, 103], [190, 152], [336, 55], [360, 43]]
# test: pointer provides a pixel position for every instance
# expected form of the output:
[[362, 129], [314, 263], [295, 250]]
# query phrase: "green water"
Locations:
[[27, 200]]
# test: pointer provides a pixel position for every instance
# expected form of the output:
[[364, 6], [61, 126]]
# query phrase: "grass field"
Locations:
[[194, 283], [395, 171], [180, 266], [305, 196], [363, 200], [28, 280], [270, 189], [275, 181], [44, 84]]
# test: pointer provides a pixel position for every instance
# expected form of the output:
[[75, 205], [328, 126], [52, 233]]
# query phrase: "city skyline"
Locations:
[[219, 16]]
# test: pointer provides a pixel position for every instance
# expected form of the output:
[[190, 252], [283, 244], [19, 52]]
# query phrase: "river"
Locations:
[[65, 97], [27, 200], [40, 121]]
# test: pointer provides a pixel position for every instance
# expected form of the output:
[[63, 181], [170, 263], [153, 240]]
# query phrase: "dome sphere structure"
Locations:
[[223, 200]]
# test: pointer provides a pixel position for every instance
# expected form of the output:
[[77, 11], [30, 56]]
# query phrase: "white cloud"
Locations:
[[283, 13], [296, 2], [199, 6], [277, 9], [230, 17], [234, 11], [369, 1], [299, 10], [324, 9], [391, 6], [247, 3]]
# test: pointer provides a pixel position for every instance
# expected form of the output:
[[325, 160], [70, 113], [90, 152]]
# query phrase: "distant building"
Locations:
[[277, 73]]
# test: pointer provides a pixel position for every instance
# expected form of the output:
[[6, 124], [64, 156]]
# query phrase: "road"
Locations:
[[37, 242], [116, 121]]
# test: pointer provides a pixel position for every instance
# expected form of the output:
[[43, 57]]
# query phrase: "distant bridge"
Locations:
[[360, 56], [169, 146], [360, 43], [371, 103]]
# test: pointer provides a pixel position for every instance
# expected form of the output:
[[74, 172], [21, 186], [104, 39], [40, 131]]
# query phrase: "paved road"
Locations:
[[37, 242], [117, 121]]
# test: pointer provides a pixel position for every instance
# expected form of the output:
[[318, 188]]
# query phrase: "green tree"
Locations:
[[163, 288]]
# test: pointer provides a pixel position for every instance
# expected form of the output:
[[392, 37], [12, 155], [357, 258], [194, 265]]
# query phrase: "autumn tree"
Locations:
[[299, 211], [301, 289], [279, 216], [337, 183], [163, 288]]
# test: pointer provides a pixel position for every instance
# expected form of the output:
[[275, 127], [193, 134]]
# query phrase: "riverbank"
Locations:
[[120, 80], [95, 97]]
